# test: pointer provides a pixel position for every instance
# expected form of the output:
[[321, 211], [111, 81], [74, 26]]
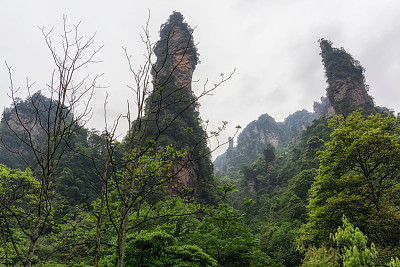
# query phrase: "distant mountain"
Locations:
[[260, 133], [276, 165], [346, 92]]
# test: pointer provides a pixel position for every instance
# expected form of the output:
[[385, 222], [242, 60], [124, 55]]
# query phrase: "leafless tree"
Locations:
[[138, 180], [126, 176], [45, 132]]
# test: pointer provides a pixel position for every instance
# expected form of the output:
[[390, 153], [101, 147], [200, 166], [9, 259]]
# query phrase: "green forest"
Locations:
[[320, 188]]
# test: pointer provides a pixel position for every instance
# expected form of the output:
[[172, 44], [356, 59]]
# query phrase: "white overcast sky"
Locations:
[[272, 44]]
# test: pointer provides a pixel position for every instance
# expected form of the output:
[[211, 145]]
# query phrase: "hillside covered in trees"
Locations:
[[324, 186], [320, 188]]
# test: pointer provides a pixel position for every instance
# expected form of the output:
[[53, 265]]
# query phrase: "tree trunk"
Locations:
[[98, 226], [32, 243], [125, 212], [122, 243]]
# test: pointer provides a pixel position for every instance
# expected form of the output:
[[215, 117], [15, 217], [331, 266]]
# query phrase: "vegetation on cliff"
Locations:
[[174, 107], [335, 167], [358, 177], [88, 198], [346, 90], [318, 189]]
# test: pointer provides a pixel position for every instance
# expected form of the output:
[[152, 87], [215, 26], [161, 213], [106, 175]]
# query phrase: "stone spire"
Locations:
[[346, 82]]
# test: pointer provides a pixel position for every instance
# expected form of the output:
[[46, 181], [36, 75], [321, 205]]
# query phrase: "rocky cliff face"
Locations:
[[176, 55], [296, 122], [346, 82], [259, 135], [22, 124], [174, 105], [346, 92], [323, 108]]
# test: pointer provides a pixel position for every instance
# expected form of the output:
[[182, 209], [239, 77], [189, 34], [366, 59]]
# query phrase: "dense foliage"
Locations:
[[86, 197], [358, 177], [352, 171], [309, 191]]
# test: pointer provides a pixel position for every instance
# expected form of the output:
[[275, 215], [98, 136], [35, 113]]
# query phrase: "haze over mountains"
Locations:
[[319, 188]]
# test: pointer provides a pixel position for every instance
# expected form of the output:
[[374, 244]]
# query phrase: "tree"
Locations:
[[349, 247], [278, 242], [394, 262], [44, 132], [165, 140], [358, 177], [159, 248], [226, 237], [18, 203], [352, 244], [165, 143]]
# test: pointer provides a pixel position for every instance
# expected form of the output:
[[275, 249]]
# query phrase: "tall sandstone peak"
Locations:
[[346, 82], [174, 105], [176, 55]]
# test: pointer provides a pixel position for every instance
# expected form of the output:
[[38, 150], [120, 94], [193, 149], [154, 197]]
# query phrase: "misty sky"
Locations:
[[272, 44]]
